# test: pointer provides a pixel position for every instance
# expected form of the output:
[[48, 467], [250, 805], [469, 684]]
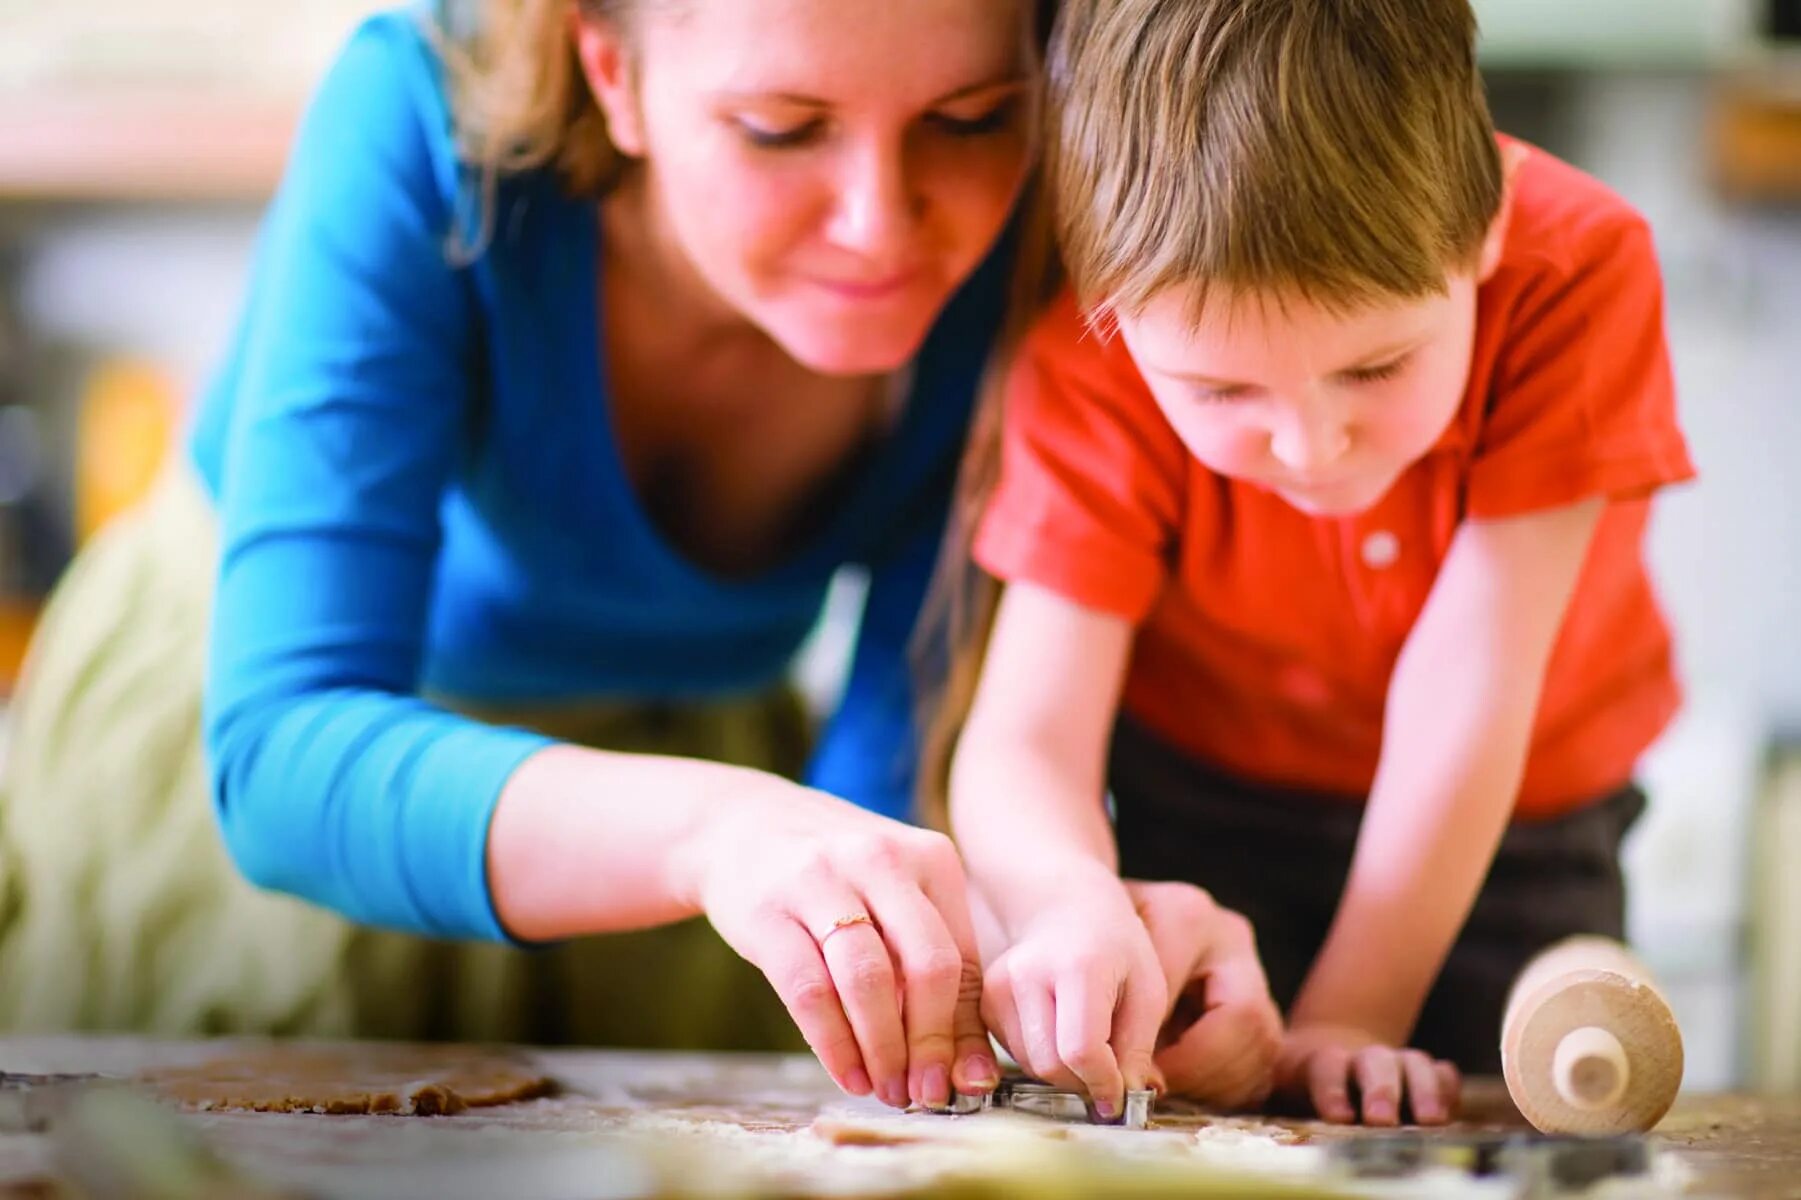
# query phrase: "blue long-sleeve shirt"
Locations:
[[419, 494]]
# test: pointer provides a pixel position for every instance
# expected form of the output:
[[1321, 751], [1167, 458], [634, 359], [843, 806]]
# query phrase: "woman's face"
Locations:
[[832, 171]]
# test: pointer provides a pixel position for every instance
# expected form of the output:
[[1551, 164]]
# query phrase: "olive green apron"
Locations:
[[120, 910]]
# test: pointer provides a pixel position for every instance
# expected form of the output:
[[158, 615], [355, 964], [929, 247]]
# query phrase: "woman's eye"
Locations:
[[779, 137], [993, 121]]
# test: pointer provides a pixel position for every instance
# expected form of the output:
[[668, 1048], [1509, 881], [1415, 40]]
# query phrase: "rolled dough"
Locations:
[[401, 1079]]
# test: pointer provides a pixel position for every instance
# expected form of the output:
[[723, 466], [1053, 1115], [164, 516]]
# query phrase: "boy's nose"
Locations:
[[1308, 444]]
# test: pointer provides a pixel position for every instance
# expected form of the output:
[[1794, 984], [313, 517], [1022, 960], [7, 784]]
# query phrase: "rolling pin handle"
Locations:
[[1590, 1068]]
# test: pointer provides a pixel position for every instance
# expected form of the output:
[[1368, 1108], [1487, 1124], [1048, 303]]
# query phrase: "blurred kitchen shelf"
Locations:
[[1776, 940], [1756, 136], [90, 145], [1614, 34], [17, 619]]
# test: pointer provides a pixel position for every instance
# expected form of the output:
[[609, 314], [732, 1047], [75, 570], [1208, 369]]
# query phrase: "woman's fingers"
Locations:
[[789, 957], [973, 1068], [932, 970], [856, 954], [884, 908]]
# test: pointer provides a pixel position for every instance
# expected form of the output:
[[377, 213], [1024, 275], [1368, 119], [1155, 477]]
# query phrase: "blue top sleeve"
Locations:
[[331, 779]]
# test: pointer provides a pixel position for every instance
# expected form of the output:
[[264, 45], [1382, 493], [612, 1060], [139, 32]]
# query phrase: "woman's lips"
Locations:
[[869, 289]]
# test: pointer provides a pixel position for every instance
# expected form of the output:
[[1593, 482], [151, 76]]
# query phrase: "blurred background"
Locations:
[[140, 138]]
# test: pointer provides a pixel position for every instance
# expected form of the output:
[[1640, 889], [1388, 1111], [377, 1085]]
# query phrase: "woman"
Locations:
[[569, 375]]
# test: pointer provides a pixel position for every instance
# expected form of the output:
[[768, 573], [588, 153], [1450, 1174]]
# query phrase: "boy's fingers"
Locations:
[[1450, 1086], [1084, 1027], [1378, 1073], [1136, 1022], [1216, 1062], [1234, 972], [1424, 1096], [1327, 1069], [1037, 1006]]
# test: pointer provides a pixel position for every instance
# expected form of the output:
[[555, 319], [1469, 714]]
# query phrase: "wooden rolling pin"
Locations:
[[1588, 1043]]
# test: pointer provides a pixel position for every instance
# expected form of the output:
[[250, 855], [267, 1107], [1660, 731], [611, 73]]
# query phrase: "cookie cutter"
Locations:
[[1548, 1163], [1059, 1104]]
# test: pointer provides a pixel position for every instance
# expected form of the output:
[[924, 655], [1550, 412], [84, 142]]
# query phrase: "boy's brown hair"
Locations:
[[1337, 150]]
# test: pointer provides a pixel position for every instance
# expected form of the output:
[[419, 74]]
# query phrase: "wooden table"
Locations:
[[633, 1125]]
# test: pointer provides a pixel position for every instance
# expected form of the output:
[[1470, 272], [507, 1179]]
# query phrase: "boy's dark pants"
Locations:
[[1281, 858]]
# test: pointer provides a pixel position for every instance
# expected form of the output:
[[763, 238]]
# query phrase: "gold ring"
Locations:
[[843, 923]]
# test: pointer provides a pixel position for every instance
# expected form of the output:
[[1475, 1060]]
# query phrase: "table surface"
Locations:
[[631, 1124]]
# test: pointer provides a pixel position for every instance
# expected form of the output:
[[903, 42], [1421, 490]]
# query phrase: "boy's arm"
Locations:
[[1076, 993], [1030, 767], [1461, 707], [1087, 967]]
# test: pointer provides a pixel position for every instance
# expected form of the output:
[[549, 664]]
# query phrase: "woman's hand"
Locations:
[[862, 925], [1221, 1036], [1077, 995]]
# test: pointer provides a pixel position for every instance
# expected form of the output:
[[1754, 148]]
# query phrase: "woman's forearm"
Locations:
[[589, 841]]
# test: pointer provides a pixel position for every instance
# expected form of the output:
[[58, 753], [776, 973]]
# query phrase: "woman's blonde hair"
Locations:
[[519, 100], [960, 604]]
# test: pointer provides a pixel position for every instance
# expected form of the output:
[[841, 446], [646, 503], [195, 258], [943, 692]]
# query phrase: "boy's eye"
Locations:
[[1210, 395], [1377, 373], [777, 137]]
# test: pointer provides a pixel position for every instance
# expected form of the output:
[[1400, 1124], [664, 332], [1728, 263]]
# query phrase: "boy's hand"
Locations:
[[1078, 995], [1319, 1064], [1219, 1042]]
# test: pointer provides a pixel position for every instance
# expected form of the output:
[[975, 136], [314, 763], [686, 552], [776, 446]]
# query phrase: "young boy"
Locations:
[[1327, 566]]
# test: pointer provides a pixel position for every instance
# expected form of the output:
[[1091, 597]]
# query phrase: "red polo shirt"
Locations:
[[1267, 637]]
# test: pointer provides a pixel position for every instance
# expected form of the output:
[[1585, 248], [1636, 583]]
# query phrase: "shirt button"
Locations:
[[1304, 687], [1380, 549]]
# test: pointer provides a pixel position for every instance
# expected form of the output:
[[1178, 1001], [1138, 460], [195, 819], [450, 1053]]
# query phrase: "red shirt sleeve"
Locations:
[[1581, 400], [1091, 481]]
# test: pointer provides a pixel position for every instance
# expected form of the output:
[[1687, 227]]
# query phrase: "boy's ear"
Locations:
[[1495, 240], [612, 76]]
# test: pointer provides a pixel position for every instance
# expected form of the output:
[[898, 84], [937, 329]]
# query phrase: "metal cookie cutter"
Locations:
[[1548, 1164], [31, 1103], [1059, 1104]]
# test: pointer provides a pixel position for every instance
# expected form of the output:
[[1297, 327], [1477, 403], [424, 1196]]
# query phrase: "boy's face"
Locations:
[[1324, 410]]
